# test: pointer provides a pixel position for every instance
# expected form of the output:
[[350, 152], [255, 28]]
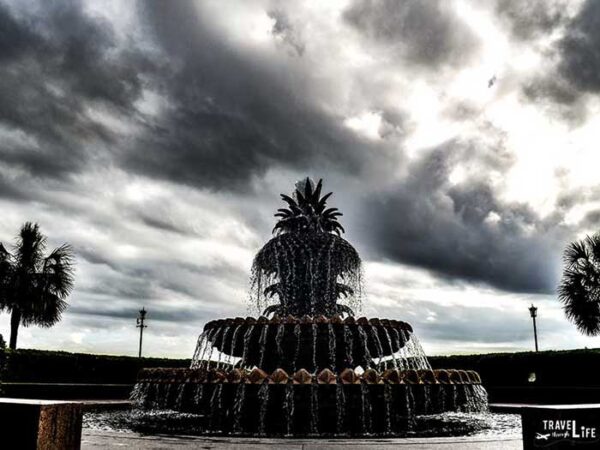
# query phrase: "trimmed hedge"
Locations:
[[551, 368], [42, 366]]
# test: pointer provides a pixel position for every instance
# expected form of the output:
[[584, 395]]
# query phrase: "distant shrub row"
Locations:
[[63, 367], [551, 368]]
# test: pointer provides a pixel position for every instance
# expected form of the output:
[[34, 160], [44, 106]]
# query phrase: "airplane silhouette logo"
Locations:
[[543, 437]]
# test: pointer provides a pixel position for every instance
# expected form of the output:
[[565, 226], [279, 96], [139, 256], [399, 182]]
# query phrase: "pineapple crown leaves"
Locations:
[[307, 211]]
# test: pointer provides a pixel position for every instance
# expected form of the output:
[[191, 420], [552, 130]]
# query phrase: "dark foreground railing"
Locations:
[[543, 395], [67, 391]]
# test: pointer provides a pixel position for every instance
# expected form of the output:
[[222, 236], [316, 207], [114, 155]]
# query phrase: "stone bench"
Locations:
[[40, 424], [561, 426]]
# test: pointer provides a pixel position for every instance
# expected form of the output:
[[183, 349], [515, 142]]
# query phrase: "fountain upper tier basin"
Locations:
[[311, 342]]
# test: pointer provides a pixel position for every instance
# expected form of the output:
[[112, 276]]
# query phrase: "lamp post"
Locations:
[[533, 312], [141, 326]]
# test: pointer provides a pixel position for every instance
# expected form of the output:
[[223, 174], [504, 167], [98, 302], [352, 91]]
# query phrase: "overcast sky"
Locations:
[[460, 139]]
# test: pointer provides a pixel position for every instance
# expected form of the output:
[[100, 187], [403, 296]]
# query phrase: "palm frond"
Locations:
[[58, 271], [6, 260], [579, 289], [30, 247], [6, 276], [593, 245], [45, 311], [575, 252], [44, 302]]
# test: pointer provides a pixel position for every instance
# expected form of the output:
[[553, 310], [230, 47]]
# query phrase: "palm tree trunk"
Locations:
[[15, 321]]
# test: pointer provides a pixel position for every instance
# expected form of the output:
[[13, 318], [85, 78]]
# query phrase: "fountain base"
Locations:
[[238, 402]]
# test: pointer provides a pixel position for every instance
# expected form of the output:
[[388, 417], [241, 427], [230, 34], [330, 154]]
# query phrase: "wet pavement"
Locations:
[[121, 429], [94, 439]]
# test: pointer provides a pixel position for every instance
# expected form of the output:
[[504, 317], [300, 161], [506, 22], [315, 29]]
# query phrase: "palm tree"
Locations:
[[33, 286], [579, 290]]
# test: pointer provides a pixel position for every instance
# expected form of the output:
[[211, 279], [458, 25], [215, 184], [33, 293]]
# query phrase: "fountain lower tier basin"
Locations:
[[347, 404], [313, 343]]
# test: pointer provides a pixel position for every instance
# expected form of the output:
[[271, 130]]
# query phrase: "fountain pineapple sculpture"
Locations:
[[307, 266]]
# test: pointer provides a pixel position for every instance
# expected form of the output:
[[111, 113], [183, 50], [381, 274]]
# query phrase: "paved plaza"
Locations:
[[94, 439]]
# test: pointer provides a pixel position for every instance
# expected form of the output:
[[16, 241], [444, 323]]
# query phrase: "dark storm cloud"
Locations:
[[231, 116], [131, 288], [532, 18], [10, 190], [574, 196], [426, 33], [393, 124], [95, 256], [580, 49], [162, 223], [15, 38], [285, 31], [556, 88], [154, 283], [462, 230], [228, 115], [469, 324], [592, 219], [95, 113], [148, 279], [128, 312], [55, 64], [577, 70]]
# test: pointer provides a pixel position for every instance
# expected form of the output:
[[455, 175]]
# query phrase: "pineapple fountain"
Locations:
[[307, 366]]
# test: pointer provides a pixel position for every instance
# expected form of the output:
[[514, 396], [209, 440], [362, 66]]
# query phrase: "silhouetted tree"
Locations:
[[33, 286], [579, 290]]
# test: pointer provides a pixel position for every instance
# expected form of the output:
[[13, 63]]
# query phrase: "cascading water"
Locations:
[[307, 366], [240, 397], [340, 408], [263, 395], [289, 408]]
